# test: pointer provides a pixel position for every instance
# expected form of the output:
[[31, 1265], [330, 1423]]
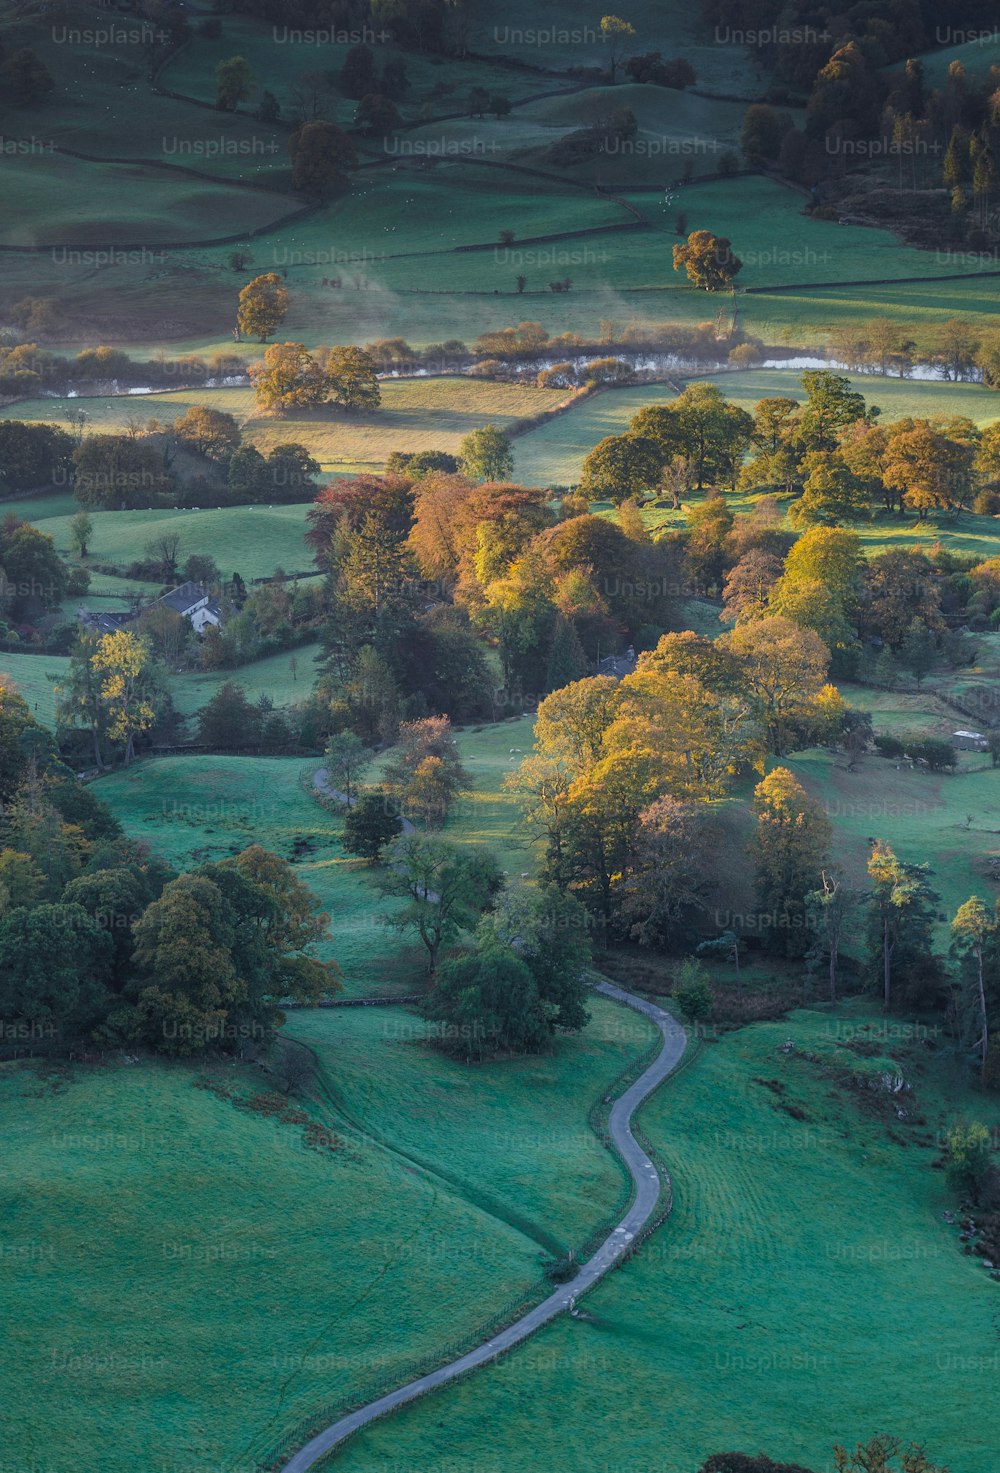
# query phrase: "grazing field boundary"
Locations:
[[815, 286], [649, 1191]]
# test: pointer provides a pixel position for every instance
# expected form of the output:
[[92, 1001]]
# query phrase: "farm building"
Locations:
[[190, 600]]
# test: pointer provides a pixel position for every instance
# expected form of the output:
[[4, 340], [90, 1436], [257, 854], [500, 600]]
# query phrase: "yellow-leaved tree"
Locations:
[[123, 663]]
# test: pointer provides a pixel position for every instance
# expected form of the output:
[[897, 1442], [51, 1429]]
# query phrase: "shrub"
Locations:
[[888, 746]]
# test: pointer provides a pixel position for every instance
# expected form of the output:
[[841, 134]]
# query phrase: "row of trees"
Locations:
[[830, 448]]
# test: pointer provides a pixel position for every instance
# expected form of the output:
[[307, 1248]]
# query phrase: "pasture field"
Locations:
[[36, 509], [250, 540], [30, 675], [897, 398], [282, 54], [563, 37], [193, 1279], [976, 47], [195, 809], [415, 414], [553, 453], [512, 1134], [275, 676], [122, 210], [672, 127], [952, 820], [785, 1305]]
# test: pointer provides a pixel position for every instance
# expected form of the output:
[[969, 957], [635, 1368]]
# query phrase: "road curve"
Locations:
[[647, 1192]]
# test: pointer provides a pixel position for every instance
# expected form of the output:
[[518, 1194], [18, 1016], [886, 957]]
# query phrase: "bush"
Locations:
[[967, 1153], [987, 502], [935, 751], [691, 991], [889, 746]]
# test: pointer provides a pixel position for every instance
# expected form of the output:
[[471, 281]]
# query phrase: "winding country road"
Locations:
[[647, 1192]]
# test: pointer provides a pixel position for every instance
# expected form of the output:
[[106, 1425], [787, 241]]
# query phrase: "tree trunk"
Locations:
[[834, 949], [985, 1040], [886, 967]]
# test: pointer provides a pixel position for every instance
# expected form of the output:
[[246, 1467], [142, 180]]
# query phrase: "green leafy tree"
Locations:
[[487, 1003], [486, 454], [445, 889], [81, 530], [691, 991], [370, 824], [233, 81], [54, 964], [346, 757], [831, 495], [115, 899], [620, 467], [322, 156], [918, 651], [969, 1159], [351, 378], [229, 720], [550, 932]]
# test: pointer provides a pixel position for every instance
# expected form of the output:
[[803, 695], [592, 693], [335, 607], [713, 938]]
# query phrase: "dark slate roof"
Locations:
[[185, 597], [618, 665]]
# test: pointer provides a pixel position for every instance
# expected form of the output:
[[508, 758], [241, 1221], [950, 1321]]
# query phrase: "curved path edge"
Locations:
[[648, 1185]]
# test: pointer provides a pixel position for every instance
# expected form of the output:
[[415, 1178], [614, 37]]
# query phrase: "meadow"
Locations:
[[427, 413], [106, 211], [284, 678], [784, 1306], [225, 1225], [30, 675], [950, 820]]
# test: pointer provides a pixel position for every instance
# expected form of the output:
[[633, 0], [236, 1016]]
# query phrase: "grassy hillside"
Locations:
[[227, 1227], [286, 678], [804, 1291], [30, 674], [514, 1133]]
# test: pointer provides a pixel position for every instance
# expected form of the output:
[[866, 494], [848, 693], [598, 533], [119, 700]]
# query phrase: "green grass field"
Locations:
[[286, 677], [498, 1128], [167, 1249], [805, 1291], [123, 213], [30, 675], [250, 540], [194, 809], [950, 820], [552, 454]]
